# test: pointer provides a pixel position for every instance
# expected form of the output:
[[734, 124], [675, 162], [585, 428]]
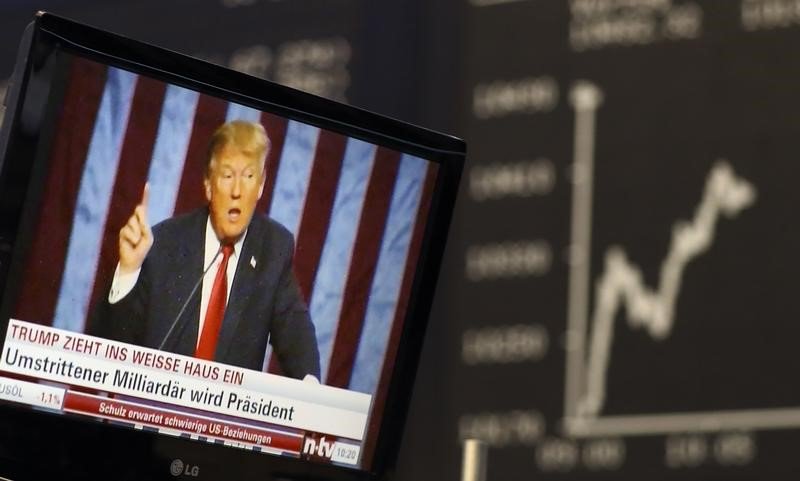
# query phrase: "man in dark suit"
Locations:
[[242, 260]]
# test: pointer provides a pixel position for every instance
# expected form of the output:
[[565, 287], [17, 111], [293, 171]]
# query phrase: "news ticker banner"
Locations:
[[175, 421], [74, 359], [315, 446]]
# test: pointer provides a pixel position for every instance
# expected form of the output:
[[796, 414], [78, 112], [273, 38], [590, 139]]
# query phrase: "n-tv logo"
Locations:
[[321, 447]]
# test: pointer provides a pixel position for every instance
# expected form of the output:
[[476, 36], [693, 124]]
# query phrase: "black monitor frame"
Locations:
[[40, 445]]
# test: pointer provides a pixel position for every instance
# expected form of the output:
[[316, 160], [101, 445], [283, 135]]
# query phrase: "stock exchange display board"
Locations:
[[627, 302]]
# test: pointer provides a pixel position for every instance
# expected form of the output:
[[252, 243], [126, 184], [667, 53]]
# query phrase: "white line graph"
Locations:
[[620, 287], [621, 283]]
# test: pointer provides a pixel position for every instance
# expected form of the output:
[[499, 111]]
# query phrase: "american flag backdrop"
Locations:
[[357, 211]]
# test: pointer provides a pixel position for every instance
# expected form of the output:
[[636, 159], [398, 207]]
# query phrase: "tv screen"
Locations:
[[223, 274]]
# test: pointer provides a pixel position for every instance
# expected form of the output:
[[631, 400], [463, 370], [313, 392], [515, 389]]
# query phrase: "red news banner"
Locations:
[[168, 419], [75, 359]]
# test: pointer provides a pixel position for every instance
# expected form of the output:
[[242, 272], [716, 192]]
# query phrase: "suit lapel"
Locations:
[[242, 290]]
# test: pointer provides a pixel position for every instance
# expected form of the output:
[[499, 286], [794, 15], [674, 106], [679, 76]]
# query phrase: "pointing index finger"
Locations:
[[145, 194], [145, 199], [143, 205]]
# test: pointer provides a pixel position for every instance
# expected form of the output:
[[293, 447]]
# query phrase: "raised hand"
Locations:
[[135, 237]]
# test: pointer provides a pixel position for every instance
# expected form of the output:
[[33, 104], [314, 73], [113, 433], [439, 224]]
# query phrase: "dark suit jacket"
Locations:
[[264, 300]]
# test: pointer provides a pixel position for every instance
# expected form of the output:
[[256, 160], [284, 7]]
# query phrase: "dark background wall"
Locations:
[[617, 299]]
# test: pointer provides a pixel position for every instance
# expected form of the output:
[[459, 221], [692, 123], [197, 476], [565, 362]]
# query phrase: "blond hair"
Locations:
[[250, 138]]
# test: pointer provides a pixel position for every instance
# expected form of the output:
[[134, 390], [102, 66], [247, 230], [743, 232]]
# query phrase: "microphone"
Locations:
[[186, 303]]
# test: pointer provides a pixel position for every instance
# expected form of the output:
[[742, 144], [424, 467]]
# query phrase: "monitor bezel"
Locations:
[[48, 34]]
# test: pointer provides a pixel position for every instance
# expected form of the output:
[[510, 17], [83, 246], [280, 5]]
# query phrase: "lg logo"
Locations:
[[178, 468]]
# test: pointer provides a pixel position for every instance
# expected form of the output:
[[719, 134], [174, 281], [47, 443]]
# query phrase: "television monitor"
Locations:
[[205, 275]]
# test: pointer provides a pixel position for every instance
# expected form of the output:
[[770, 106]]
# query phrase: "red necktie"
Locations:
[[216, 309]]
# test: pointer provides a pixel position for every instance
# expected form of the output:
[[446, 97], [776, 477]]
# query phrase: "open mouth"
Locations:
[[233, 214]]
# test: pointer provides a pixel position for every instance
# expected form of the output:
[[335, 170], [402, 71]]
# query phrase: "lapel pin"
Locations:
[[253, 262]]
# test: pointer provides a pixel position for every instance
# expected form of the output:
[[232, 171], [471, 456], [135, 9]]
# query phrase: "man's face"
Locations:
[[234, 184]]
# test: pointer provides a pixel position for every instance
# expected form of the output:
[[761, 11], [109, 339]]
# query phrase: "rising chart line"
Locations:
[[621, 284]]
